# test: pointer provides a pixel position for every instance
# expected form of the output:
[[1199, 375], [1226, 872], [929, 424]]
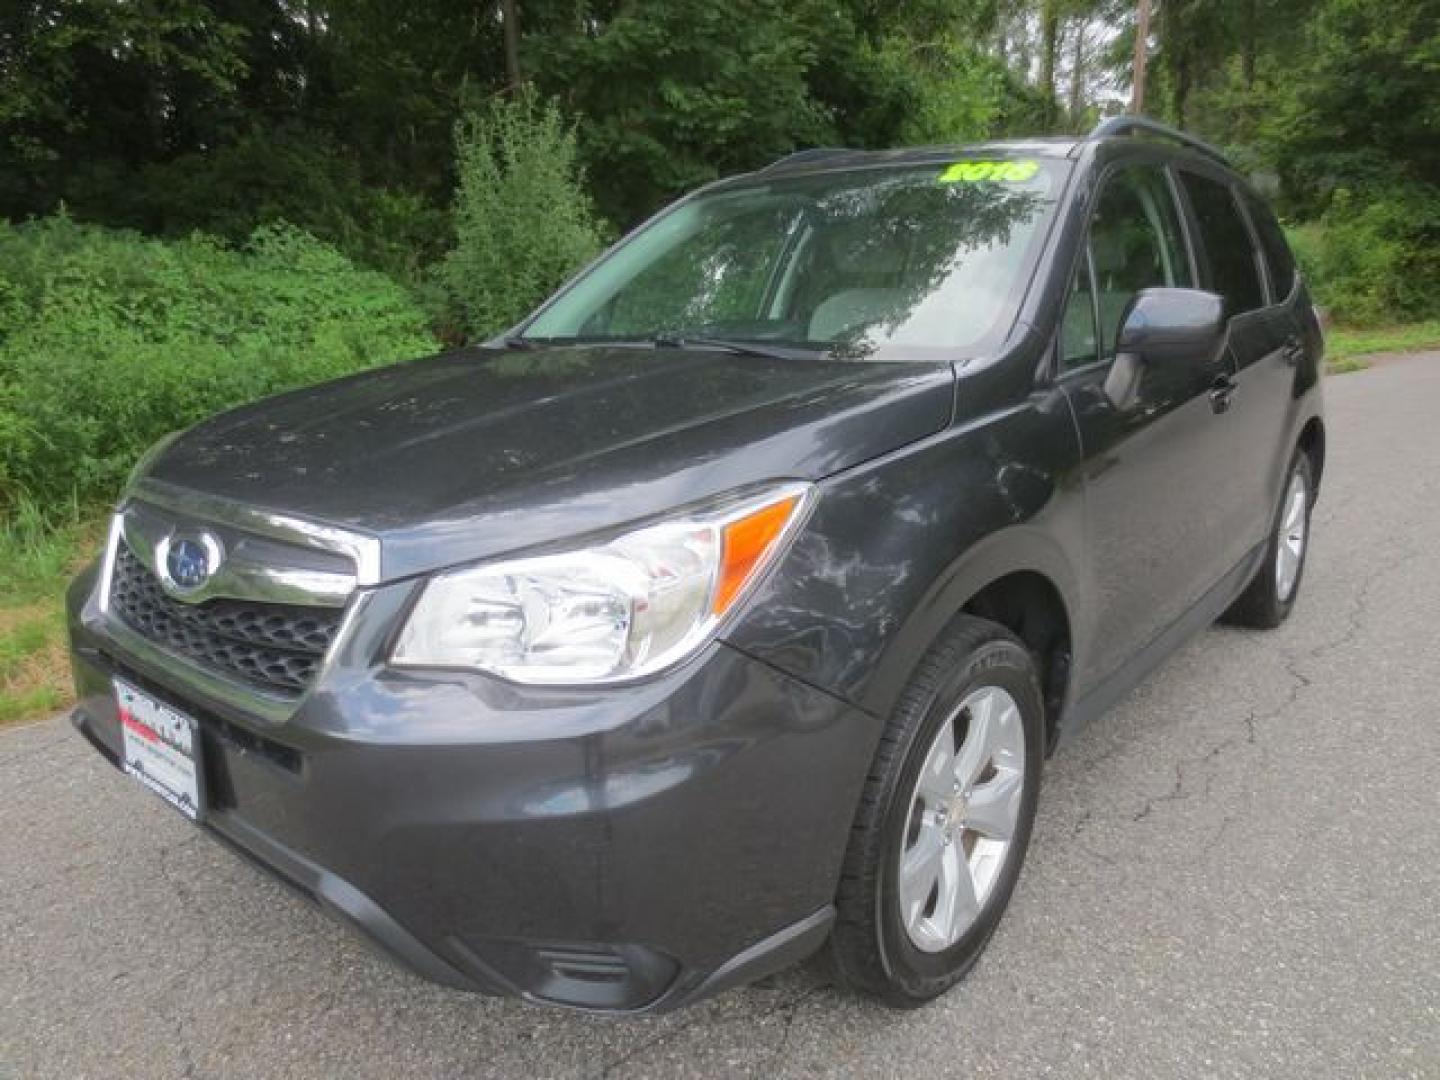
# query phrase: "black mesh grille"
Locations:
[[277, 647]]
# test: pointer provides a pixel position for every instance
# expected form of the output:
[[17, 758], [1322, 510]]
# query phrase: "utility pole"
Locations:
[[1142, 52]]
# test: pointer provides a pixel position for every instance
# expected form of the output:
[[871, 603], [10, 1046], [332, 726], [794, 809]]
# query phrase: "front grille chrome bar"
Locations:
[[362, 549], [254, 567]]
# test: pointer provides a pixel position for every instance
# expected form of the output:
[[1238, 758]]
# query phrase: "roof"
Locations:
[[1113, 128], [842, 158]]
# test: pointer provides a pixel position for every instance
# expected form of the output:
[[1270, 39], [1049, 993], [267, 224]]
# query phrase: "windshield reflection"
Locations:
[[855, 263]]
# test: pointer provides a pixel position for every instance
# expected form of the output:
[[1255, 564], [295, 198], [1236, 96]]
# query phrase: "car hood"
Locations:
[[472, 453]]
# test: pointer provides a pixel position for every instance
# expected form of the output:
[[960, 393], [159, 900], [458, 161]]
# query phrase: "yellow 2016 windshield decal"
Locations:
[[994, 171]]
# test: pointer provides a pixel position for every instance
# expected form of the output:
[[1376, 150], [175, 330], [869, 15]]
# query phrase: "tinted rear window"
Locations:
[[1277, 251], [1234, 270]]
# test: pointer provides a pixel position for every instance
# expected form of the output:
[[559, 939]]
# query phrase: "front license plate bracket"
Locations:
[[161, 749]]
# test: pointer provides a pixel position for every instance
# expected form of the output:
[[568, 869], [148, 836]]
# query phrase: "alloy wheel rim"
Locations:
[[963, 815], [1290, 541]]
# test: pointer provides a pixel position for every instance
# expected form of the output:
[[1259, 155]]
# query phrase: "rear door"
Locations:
[[1263, 350], [1293, 320], [1155, 466]]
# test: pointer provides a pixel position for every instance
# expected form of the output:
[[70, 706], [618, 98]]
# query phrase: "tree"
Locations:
[[1049, 46], [672, 93], [1142, 54], [523, 222], [1364, 109], [510, 24], [338, 115], [89, 88]]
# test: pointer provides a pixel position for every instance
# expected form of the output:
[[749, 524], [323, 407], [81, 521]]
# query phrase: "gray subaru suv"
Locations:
[[726, 609]]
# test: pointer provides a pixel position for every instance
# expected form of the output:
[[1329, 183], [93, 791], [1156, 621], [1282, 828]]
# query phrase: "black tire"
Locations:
[[1261, 606], [869, 948]]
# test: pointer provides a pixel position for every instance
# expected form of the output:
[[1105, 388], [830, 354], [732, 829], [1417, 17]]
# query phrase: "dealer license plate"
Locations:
[[162, 749]]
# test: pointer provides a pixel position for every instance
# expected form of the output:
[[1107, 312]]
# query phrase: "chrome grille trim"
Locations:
[[362, 549], [255, 567]]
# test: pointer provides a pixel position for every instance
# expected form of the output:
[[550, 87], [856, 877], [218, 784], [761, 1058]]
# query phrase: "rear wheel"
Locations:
[[945, 819], [1268, 599]]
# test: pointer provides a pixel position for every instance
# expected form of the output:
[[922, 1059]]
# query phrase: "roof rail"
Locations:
[[1140, 125], [804, 157]]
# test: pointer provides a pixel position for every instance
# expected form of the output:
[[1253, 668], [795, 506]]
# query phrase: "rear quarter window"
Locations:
[[1234, 267]]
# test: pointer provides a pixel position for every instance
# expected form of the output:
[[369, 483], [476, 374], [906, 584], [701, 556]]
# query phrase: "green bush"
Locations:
[[108, 340], [292, 176], [1374, 259], [523, 222]]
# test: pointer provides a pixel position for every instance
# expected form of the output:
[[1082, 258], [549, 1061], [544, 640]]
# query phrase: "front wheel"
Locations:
[[944, 819], [1268, 599]]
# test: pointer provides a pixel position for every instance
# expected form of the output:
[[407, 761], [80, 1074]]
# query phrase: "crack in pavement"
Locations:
[[1356, 619], [1176, 792], [790, 1007]]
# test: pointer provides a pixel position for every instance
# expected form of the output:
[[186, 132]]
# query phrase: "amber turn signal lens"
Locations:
[[745, 543]]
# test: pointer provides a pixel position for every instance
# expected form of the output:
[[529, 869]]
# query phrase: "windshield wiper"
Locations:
[[739, 348]]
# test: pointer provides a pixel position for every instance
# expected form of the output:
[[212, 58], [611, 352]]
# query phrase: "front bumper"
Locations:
[[627, 849]]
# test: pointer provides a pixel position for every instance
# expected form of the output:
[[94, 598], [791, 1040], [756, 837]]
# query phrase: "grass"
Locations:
[[40, 551], [1346, 348]]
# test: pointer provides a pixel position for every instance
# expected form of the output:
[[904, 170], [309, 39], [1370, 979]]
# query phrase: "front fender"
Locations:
[[894, 549], [1021, 549]]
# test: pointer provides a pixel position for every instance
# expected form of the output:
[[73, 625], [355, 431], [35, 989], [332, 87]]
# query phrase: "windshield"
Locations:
[[891, 261]]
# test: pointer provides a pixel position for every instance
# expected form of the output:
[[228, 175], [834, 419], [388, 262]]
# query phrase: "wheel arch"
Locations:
[[1312, 441], [1019, 578]]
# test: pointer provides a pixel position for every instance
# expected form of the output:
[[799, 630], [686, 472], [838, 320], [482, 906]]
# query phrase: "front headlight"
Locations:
[[615, 611]]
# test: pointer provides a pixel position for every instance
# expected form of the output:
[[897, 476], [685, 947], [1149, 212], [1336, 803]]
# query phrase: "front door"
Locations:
[[1155, 465]]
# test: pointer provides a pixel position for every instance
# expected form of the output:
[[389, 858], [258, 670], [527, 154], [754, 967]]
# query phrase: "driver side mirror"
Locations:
[[1168, 326], [1163, 328]]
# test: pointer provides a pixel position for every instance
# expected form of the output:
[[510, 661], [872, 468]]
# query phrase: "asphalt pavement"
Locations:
[[1235, 873]]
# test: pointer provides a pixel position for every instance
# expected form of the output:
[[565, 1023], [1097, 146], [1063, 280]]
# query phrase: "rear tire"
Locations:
[[938, 841], [1270, 596]]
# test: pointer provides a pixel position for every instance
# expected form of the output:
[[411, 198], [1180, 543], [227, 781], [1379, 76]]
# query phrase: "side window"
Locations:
[[1277, 250], [1135, 243], [1234, 268], [1078, 344]]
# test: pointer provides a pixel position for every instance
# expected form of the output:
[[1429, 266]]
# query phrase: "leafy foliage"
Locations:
[[959, 94], [1374, 258], [1338, 103], [109, 340], [523, 222], [288, 176], [674, 93], [340, 117], [1363, 110]]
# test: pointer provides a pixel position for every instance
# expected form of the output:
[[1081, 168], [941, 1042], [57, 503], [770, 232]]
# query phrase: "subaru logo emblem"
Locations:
[[186, 563]]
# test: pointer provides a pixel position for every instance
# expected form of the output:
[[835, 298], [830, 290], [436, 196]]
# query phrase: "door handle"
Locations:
[[1220, 392], [1293, 351]]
